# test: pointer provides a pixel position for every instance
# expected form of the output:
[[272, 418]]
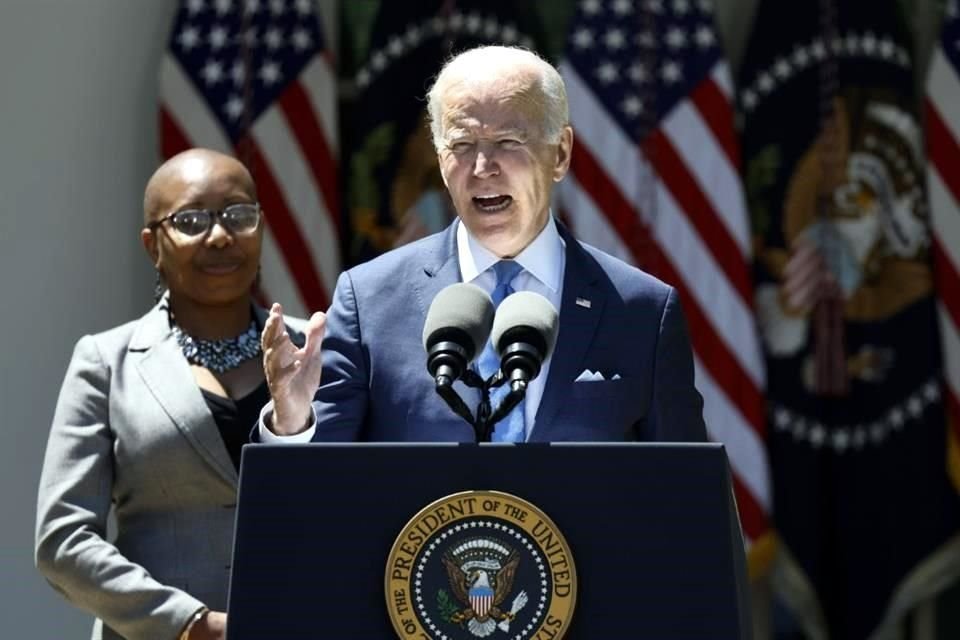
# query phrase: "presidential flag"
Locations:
[[256, 79], [845, 299], [654, 180]]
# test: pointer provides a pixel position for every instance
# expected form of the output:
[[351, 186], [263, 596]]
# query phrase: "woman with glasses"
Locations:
[[152, 415]]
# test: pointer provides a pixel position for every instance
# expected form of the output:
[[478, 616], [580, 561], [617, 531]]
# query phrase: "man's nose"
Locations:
[[486, 164]]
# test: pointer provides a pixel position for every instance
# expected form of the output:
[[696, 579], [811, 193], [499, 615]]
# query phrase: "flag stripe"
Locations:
[[296, 254], [951, 344], [303, 203], [717, 112], [943, 150], [172, 138], [592, 226], [697, 208], [301, 120], [276, 285], [618, 157], [612, 203], [728, 315], [719, 183], [948, 280], [945, 217], [319, 84], [953, 401], [943, 90], [752, 516]]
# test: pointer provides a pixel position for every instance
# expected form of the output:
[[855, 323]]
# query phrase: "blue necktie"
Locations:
[[510, 429]]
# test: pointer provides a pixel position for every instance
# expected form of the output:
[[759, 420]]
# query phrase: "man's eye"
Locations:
[[460, 147], [510, 143]]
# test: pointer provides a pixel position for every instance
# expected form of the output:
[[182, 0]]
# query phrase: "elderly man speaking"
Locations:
[[622, 368]]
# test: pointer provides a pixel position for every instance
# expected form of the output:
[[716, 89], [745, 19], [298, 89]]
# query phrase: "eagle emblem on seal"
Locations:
[[481, 572]]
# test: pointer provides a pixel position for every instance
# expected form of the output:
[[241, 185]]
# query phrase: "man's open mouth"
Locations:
[[492, 204]]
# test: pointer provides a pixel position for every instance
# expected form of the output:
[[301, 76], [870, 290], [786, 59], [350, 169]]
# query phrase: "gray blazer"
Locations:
[[132, 431]]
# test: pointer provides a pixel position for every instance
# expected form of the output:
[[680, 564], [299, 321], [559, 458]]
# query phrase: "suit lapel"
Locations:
[[581, 308], [162, 363], [439, 268]]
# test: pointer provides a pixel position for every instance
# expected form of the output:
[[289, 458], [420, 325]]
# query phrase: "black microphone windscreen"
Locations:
[[527, 309], [461, 306]]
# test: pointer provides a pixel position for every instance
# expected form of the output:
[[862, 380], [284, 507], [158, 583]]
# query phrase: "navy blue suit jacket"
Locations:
[[375, 385]]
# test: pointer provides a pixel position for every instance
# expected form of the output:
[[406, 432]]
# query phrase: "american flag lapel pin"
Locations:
[[583, 302]]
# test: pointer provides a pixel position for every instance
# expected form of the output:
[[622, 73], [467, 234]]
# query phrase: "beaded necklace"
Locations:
[[219, 355], [216, 355]]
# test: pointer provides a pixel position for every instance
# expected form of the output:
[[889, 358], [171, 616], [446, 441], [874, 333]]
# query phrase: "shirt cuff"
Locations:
[[269, 436]]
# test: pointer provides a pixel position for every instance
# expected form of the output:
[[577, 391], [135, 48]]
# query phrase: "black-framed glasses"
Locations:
[[238, 218]]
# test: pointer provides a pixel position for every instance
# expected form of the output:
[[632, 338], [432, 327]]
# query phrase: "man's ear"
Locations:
[[149, 241], [564, 148]]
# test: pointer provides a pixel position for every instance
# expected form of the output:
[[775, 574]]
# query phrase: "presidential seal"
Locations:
[[480, 564]]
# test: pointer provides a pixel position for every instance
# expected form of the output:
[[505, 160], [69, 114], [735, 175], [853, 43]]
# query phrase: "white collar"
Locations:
[[542, 258]]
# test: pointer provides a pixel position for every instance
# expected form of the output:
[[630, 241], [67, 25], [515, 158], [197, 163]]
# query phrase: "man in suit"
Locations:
[[500, 125]]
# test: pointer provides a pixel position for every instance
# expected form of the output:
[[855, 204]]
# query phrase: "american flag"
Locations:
[[255, 78], [943, 147], [655, 182]]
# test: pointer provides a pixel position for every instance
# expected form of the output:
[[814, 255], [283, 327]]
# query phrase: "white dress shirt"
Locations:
[[543, 262]]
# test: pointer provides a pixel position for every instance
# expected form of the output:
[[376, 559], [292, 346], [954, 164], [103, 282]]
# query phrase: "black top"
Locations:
[[235, 418]]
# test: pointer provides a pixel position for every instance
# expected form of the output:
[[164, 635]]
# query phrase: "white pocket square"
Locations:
[[593, 376]]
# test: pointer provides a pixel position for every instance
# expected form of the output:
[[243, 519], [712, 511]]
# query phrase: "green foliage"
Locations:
[[761, 175], [446, 605], [363, 184]]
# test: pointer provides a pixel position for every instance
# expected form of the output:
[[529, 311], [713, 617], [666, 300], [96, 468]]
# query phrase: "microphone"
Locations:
[[524, 334], [455, 332]]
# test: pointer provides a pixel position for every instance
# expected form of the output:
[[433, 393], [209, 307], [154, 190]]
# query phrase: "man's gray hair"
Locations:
[[488, 62]]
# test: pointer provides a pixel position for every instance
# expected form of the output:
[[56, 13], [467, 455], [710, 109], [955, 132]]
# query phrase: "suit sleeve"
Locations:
[[676, 414], [341, 401], [74, 499]]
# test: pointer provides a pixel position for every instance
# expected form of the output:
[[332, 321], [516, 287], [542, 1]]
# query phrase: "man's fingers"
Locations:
[[316, 327], [273, 328], [280, 354], [278, 350]]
